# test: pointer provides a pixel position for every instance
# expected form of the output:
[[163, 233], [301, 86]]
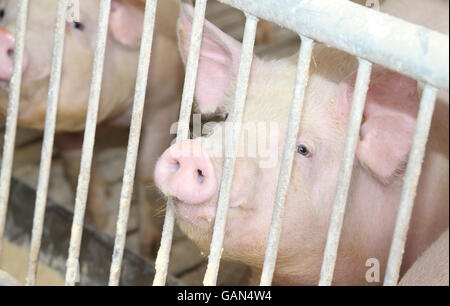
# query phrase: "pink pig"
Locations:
[[191, 171], [118, 85]]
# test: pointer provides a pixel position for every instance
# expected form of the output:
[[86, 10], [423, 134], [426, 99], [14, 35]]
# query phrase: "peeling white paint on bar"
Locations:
[[345, 172], [133, 141], [88, 145], [236, 114], [47, 144], [411, 181], [162, 259], [404, 47], [12, 113], [284, 177]]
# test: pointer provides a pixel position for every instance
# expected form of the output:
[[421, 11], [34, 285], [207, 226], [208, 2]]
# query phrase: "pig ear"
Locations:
[[126, 22], [389, 119], [218, 62]]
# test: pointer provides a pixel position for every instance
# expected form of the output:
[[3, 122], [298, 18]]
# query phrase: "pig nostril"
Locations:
[[200, 176], [11, 53], [175, 166]]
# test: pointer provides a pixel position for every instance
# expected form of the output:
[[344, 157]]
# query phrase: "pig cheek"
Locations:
[[300, 221], [38, 48]]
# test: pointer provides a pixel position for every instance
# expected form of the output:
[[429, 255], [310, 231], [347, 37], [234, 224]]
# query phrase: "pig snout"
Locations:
[[186, 172], [7, 41]]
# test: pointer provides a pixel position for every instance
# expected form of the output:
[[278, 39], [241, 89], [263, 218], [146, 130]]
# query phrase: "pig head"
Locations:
[[119, 69], [191, 171]]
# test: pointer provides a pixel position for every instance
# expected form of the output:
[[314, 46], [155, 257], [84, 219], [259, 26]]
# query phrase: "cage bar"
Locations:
[[12, 113], [47, 144], [382, 39], [412, 175], [88, 145], [236, 114], [345, 172], [162, 259], [284, 177], [133, 141]]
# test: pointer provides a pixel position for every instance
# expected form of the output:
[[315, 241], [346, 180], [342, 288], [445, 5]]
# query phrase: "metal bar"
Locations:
[[47, 144], [133, 141], [12, 114], [88, 145], [412, 175], [162, 259], [379, 38], [287, 159], [212, 269], [345, 172]]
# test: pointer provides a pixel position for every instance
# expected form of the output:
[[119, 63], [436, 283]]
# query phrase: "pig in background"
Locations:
[[120, 66], [385, 141]]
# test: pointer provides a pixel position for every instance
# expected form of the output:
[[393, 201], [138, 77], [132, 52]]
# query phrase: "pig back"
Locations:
[[432, 268]]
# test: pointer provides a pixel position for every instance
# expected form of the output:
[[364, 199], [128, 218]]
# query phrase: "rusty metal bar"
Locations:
[[411, 181], [47, 144], [133, 141], [162, 259], [236, 114], [345, 172], [287, 160], [12, 113], [88, 145]]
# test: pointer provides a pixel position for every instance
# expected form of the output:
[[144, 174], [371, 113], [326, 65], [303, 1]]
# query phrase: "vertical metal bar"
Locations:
[[47, 144], [12, 113], [162, 259], [88, 144], [412, 176], [212, 269], [284, 177], [133, 141], [345, 172]]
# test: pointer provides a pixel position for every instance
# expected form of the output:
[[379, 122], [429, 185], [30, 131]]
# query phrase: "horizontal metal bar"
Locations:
[[162, 259], [88, 145], [287, 160], [345, 172], [12, 114], [47, 144], [236, 115], [133, 142], [411, 181], [401, 46]]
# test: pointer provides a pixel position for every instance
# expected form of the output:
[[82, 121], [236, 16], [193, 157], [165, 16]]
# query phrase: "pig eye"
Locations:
[[303, 150], [2, 13], [78, 25]]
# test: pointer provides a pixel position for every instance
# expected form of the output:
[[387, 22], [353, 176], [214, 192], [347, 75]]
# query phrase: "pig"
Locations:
[[431, 269], [120, 67], [190, 171]]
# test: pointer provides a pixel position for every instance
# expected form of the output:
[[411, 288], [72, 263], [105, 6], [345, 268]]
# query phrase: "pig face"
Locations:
[[190, 171], [119, 69]]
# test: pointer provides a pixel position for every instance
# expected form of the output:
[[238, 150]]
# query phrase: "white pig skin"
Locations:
[[432, 267], [383, 147]]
